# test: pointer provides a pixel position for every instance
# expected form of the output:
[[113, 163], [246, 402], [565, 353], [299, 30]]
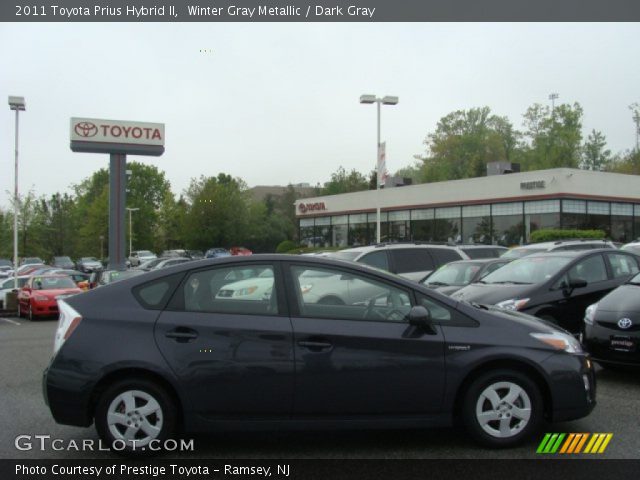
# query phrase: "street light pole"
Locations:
[[17, 104], [553, 97], [130, 229], [386, 100]]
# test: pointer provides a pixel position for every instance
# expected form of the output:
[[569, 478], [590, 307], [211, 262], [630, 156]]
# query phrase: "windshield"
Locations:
[[458, 274], [62, 259], [145, 253], [635, 280], [52, 283], [521, 252], [350, 256], [526, 270], [89, 259]]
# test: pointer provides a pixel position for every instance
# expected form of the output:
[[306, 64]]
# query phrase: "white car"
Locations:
[[6, 285], [258, 287]]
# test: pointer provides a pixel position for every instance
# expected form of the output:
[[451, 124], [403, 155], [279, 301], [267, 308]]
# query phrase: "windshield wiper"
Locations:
[[479, 305], [438, 284], [511, 282]]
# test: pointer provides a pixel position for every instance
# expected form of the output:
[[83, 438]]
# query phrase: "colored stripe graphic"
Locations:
[[573, 443]]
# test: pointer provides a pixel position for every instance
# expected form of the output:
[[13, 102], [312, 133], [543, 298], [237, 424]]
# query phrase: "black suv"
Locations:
[[556, 286]]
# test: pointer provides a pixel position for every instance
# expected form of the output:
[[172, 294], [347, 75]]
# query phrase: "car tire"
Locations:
[[331, 300], [135, 408], [502, 408]]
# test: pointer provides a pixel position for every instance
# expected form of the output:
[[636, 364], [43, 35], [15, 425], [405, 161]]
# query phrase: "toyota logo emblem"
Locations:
[[303, 208], [625, 323], [86, 129]]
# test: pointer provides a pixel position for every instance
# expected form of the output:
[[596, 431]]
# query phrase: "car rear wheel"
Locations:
[[133, 413], [502, 408]]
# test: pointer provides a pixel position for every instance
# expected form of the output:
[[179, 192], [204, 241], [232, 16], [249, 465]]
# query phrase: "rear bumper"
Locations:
[[67, 405]]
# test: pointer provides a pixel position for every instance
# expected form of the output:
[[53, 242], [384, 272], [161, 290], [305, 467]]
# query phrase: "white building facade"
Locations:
[[498, 209]]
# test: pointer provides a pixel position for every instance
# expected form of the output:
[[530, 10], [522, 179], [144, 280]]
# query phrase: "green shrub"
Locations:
[[549, 235], [286, 246]]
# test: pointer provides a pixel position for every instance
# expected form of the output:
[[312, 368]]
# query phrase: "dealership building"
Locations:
[[497, 209]]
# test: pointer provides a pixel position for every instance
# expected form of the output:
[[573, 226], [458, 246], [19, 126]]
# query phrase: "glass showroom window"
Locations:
[[636, 221], [574, 214], [358, 230], [598, 217], [340, 230], [447, 225], [422, 224], [539, 215], [307, 232], [399, 226], [476, 224], [621, 222], [384, 227], [507, 223], [323, 232]]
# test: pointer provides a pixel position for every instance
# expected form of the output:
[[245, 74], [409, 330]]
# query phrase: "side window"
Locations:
[[622, 265], [591, 269], [442, 256], [412, 260], [240, 290], [154, 295], [341, 295], [376, 259]]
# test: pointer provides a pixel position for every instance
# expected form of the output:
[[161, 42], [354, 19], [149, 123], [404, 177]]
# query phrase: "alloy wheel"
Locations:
[[503, 409], [135, 416]]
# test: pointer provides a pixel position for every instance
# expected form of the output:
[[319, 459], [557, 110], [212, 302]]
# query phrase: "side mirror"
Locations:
[[577, 283], [419, 316]]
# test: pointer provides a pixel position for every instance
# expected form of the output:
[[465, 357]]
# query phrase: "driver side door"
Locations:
[[355, 352]]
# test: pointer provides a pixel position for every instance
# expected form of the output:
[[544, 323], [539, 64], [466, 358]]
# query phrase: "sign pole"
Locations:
[[117, 202]]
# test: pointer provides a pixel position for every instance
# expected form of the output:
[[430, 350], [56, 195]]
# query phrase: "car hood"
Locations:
[[622, 299], [446, 290], [491, 294], [534, 324]]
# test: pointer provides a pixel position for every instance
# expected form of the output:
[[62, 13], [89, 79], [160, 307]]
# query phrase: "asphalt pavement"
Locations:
[[26, 348]]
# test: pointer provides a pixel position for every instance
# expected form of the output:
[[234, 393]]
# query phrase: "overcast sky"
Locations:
[[278, 103]]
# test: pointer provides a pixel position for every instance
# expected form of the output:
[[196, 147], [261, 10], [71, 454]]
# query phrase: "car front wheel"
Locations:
[[134, 415], [502, 408]]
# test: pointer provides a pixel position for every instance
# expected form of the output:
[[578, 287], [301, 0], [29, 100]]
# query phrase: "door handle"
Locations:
[[182, 335], [315, 346]]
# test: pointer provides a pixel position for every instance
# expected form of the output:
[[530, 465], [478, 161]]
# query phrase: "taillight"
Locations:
[[67, 323]]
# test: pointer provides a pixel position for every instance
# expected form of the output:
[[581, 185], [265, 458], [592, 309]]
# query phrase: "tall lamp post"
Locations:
[[386, 100], [553, 97], [17, 104], [130, 228]]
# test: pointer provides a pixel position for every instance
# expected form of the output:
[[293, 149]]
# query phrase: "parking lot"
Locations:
[[25, 349]]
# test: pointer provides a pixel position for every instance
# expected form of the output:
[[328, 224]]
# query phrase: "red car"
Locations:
[[242, 251], [38, 296]]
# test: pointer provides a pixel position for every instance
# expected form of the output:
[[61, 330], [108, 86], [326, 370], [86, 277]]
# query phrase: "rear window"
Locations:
[[155, 295], [376, 259], [412, 260]]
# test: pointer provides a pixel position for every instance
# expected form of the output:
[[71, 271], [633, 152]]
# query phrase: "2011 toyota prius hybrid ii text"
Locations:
[[277, 341]]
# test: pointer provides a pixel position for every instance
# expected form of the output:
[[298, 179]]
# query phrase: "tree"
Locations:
[[217, 214], [555, 136], [464, 142], [343, 182], [594, 155]]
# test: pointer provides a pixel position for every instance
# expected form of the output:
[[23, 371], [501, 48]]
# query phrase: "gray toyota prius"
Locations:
[[282, 341]]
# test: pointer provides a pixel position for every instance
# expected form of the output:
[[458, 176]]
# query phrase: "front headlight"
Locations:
[[559, 341], [513, 304], [590, 314]]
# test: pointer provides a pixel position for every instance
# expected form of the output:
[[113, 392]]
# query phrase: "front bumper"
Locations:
[[572, 386], [597, 341]]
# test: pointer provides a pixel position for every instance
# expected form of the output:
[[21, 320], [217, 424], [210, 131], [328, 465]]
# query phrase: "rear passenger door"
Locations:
[[227, 336]]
